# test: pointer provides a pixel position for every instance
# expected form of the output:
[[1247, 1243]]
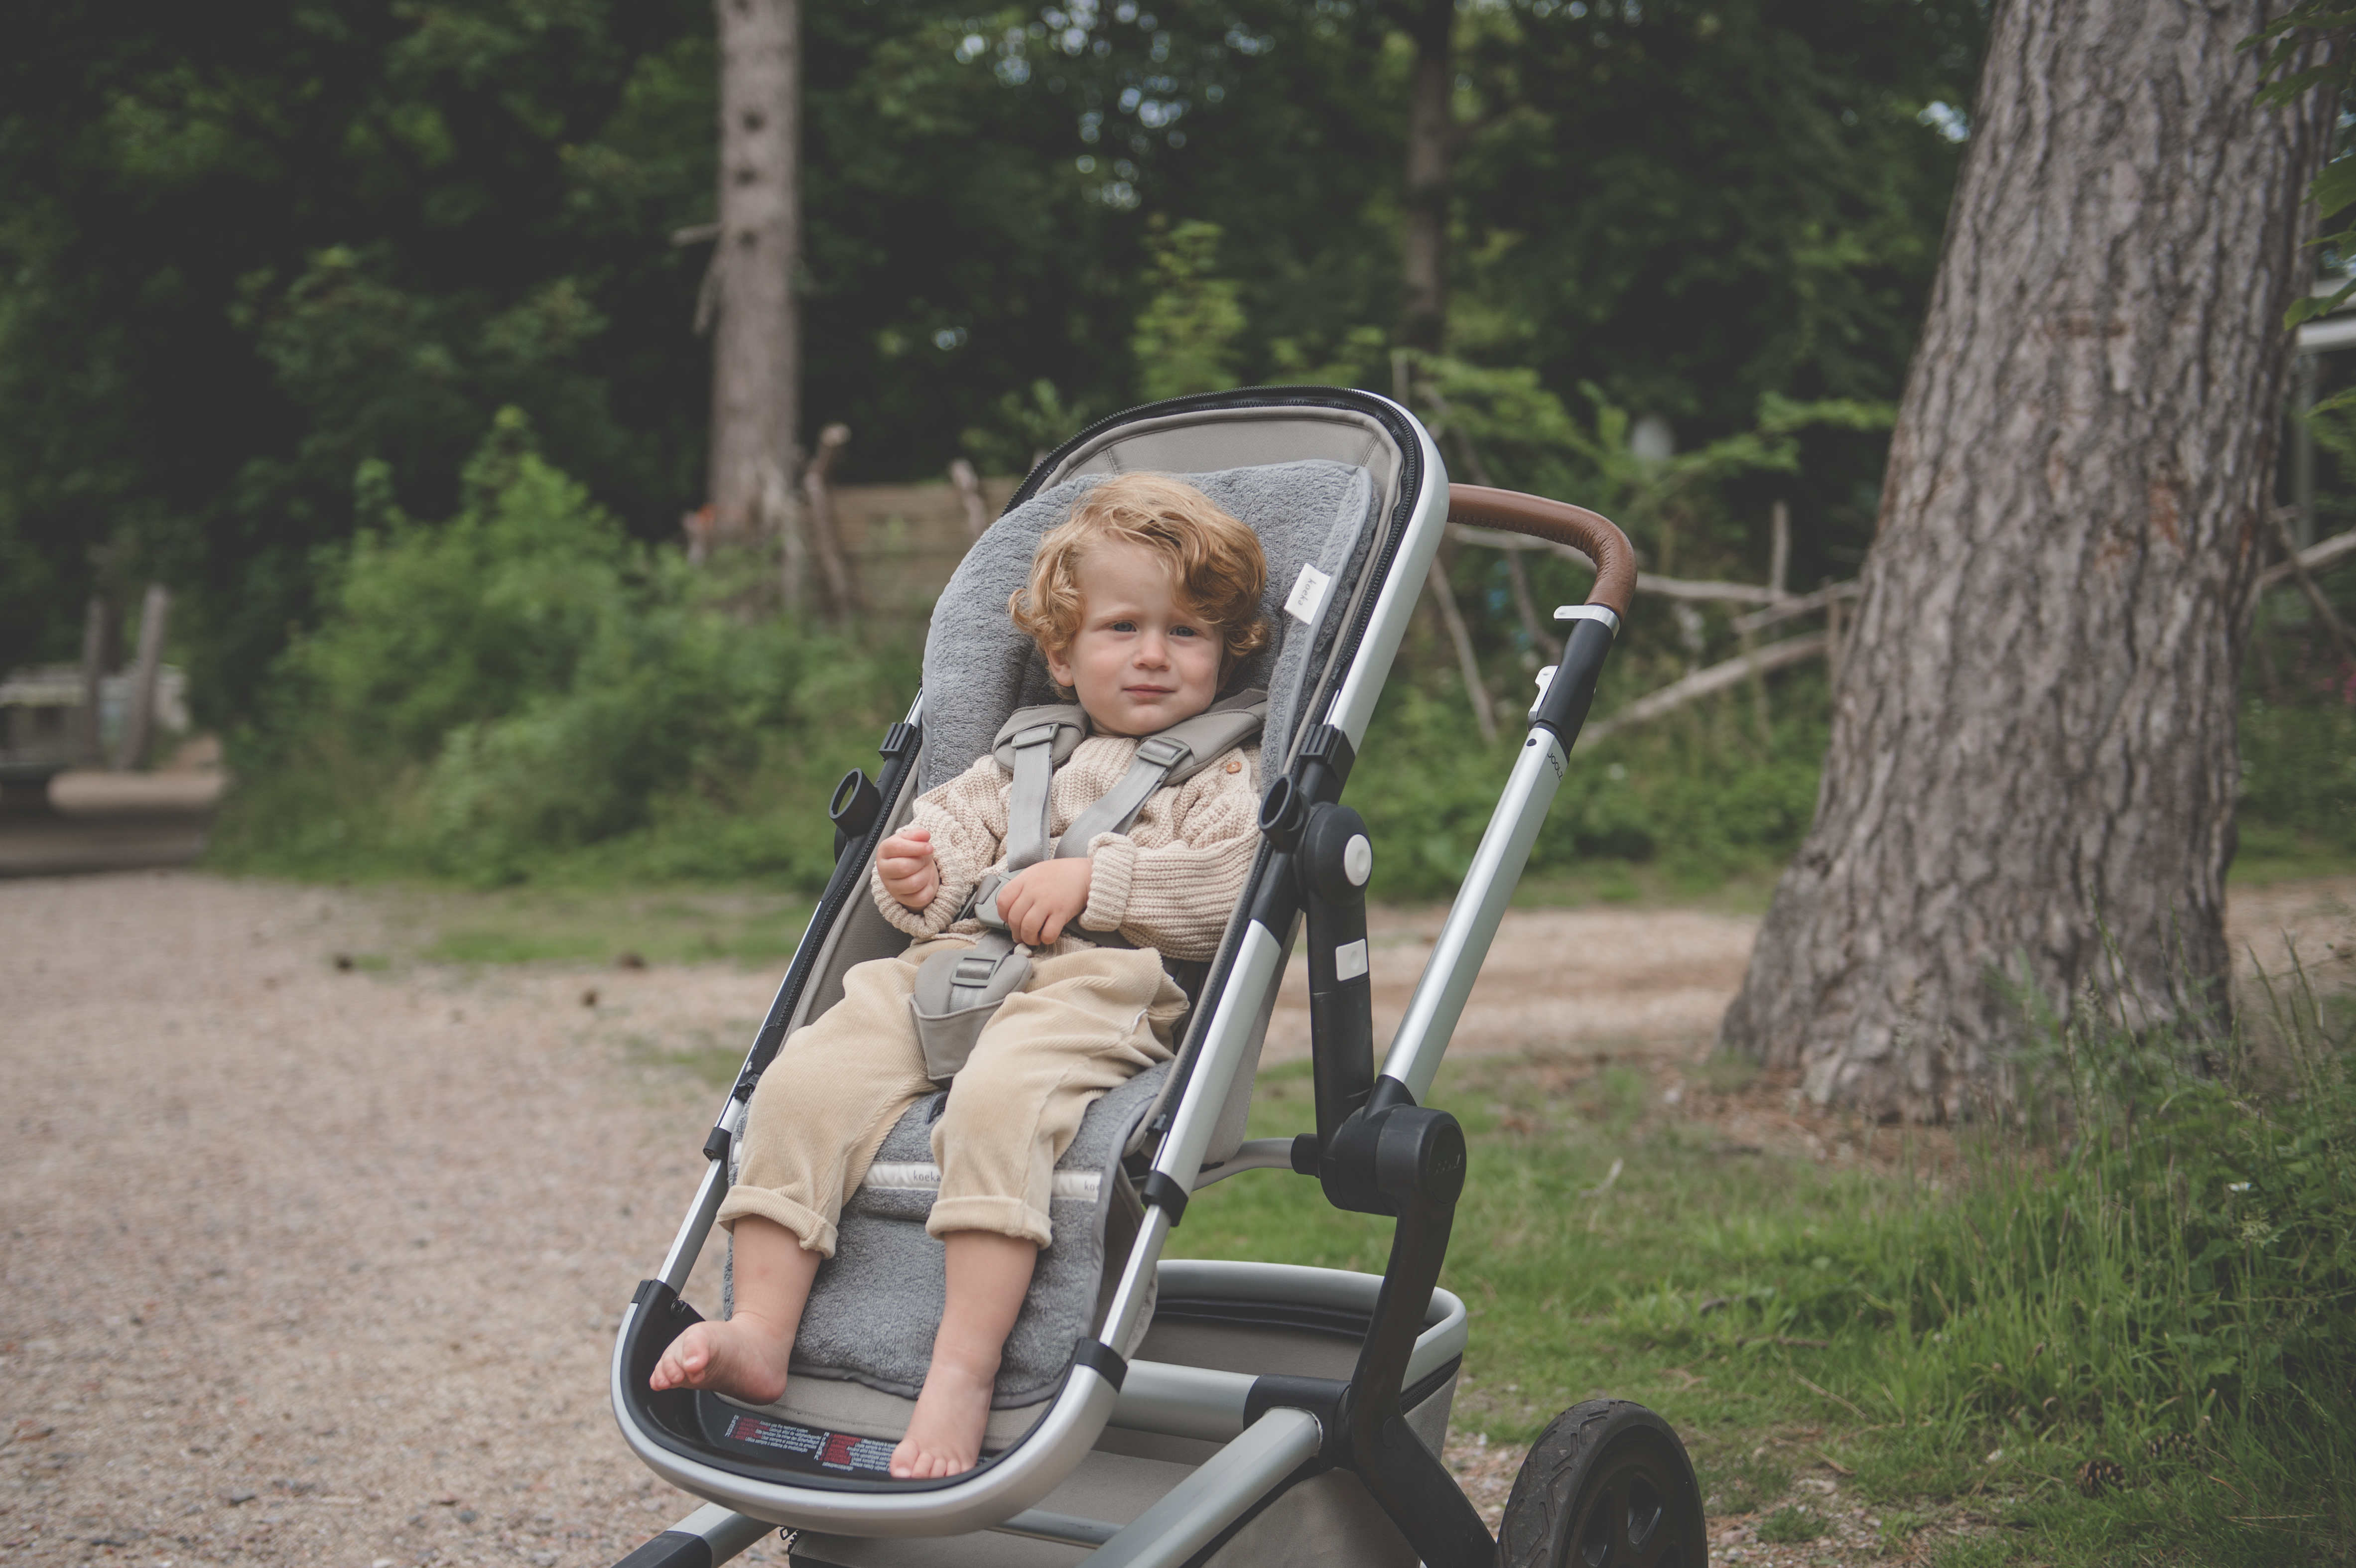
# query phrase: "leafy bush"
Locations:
[[521, 689]]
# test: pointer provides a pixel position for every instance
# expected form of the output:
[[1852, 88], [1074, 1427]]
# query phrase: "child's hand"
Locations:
[[905, 863], [1037, 904]]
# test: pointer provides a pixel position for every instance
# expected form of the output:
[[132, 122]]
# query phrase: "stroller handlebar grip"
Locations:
[[1592, 534]]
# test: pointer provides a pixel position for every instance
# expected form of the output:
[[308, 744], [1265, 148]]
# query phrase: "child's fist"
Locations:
[[905, 864], [1037, 904]]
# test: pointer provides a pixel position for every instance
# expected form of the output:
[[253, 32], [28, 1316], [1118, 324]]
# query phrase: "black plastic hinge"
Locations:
[[715, 1143], [1325, 1397], [897, 740], [1307, 1151], [1101, 1359], [1158, 1191]]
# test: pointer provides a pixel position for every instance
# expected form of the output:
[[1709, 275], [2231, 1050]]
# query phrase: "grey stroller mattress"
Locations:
[[867, 1335]]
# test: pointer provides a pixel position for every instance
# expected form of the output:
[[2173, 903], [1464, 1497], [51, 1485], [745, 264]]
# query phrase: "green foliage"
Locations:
[[2145, 1253], [237, 263], [520, 690], [1503, 426], [2304, 50], [1022, 429], [1186, 336]]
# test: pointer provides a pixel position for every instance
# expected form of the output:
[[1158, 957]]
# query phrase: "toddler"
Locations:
[[1142, 603]]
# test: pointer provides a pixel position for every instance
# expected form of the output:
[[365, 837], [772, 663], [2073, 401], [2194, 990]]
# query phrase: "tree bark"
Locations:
[[1431, 85], [755, 349], [2032, 767]]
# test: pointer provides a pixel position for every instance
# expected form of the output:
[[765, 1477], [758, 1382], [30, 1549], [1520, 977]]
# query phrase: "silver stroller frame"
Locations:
[[1237, 1438]]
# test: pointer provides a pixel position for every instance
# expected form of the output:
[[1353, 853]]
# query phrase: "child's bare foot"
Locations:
[[944, 1434], [744, 1358]]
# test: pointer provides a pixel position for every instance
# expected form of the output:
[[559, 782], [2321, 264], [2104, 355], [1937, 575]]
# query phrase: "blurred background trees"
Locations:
[[241, 261], [265, 290]]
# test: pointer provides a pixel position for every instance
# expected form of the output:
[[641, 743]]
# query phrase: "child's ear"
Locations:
[[1059, 668]]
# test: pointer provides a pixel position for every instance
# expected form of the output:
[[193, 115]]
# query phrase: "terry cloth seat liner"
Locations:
[[876, 1303]]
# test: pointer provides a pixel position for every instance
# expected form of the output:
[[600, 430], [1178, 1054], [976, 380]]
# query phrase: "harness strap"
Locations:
[[1027, 801], [1117, 808]]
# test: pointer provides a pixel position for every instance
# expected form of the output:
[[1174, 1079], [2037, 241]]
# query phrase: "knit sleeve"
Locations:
[[967, 819], [1177, 898]]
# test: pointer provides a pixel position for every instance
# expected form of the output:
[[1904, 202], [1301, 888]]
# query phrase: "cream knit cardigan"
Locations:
[[1170, 883]]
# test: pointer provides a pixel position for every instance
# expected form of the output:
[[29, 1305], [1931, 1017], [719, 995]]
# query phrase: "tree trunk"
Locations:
[[1431, 85], [755, 349], [2033, 765]]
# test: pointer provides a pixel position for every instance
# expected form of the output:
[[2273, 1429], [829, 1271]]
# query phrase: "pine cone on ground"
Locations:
[[2096, 1477]]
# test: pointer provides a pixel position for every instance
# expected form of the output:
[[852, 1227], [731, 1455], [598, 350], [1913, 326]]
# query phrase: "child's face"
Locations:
[[1140, 663]]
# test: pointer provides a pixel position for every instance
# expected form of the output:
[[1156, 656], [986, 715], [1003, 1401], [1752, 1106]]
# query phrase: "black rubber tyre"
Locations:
[[1606, 1486]]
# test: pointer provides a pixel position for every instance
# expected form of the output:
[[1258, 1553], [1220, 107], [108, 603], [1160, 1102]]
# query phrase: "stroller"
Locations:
[[1164, 1412]]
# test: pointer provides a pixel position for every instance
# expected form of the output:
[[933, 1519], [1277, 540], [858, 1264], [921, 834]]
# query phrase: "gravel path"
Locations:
[[317, 1268], [312, 1267]]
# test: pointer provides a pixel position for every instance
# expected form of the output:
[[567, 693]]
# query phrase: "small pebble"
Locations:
[[625, 959]]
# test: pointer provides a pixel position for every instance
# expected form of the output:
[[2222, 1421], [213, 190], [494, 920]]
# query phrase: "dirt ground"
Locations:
[[310, 1266]]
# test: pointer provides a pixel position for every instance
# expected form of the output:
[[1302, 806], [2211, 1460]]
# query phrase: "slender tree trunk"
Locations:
[[1431, 85], [2032, 755], [755, 350]]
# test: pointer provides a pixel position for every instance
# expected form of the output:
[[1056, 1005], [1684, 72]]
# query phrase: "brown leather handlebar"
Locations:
[[1591, 533]]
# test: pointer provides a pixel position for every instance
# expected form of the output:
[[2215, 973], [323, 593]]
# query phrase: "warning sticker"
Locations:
[[842, 1451]]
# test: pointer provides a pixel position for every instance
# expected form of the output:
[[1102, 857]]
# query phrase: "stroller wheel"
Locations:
[[1606, 1486]]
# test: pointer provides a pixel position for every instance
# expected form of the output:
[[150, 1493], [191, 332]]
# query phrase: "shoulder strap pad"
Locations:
[[1226, 723], [1071, 722]]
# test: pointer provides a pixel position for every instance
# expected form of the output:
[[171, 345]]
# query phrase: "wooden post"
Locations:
[[1779, 570], [139, 718], [831, 441], [89, 741], [1453, 619], [1833, 618], [779, 516], [969, 489], [2333, 627]]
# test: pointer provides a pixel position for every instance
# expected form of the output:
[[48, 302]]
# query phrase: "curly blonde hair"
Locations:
[[1216, 563]]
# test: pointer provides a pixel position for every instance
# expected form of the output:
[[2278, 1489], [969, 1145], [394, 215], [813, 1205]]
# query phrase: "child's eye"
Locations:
[[1183, 631], [1123, 626]]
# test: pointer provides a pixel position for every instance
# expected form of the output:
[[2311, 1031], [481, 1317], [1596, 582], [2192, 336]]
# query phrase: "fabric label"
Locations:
[[1308, 595]]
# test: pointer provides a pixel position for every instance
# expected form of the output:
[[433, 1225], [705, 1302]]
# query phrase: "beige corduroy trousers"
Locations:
[[1086, 1021]]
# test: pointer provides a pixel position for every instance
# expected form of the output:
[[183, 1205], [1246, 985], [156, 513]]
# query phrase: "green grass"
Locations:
[[1953, 1326], [595, 925]]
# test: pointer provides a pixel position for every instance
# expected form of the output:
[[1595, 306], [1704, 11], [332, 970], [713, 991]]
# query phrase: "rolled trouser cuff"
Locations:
[[1004, 1216], [809, 1227]]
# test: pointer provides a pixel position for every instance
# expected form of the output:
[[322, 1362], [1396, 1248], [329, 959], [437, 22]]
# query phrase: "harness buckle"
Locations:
[[1162, 751]]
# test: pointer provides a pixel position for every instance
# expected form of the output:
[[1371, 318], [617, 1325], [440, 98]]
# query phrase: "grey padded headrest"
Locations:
[[977, 668]]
